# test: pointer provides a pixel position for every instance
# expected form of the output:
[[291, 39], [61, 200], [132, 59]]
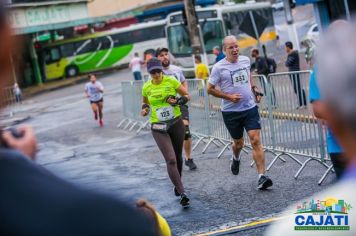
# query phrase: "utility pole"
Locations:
[[193, 26], [292, 31]]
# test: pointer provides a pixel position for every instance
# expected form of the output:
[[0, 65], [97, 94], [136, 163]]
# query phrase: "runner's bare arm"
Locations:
[[183, 91], [217, 93], [255, 90], [185, 84]]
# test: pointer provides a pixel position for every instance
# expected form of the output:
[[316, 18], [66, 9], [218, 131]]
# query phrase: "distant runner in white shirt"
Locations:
[[135, 66], [239, 109], [94, 91], [163, 55]]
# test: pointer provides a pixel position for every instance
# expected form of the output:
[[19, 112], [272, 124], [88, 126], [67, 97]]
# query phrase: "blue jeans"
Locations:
[[137, 75]]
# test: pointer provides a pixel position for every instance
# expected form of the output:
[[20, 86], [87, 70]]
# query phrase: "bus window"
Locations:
[[233, 21], [52, 55], [67, 50], [178, 40], [84, 47], [212, 33]]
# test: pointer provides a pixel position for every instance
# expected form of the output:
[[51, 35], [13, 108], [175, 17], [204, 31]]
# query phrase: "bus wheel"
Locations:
[[72, 71]]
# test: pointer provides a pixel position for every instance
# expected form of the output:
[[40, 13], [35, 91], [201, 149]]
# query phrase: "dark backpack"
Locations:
[[272, 65]]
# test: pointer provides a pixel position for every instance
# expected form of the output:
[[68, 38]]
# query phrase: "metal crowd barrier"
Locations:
[[296, 131], [289, 128], [132, 100]]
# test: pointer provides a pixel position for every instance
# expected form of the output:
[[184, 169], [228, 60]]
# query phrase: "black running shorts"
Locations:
[[101, 100], [237, 121]]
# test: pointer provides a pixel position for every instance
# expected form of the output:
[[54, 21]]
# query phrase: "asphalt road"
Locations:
[[129, 166]]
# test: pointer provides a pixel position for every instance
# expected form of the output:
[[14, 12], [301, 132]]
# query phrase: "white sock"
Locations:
[[260, 175], [236, 158]]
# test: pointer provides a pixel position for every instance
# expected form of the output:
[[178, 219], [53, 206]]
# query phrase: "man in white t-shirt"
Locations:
[[239, 96], [94, 91], [163, 55], [135, 66]]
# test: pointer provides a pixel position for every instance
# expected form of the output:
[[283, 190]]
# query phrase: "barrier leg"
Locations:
[[133, 126], [279, 157], [121, 122], [267, 150], [325, 174], [307, 161], [223, 150], [128, 124], [207, 145], [142, 126], [197, 143]]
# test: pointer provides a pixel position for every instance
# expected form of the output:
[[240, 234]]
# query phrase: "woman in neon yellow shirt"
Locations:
[[159, 97]]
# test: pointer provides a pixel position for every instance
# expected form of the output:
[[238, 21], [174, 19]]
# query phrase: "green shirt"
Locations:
[[156, 94]]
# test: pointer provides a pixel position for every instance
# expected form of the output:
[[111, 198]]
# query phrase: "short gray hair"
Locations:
[[227, 38], [217, 48], [336, 62]]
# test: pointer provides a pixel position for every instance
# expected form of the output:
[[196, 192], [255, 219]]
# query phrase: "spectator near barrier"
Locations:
[[218, 53], [264, 66], [292, 63], [18, 93]]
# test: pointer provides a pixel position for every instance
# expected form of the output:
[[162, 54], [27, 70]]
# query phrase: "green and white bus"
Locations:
[[102, 50], [215, 23]]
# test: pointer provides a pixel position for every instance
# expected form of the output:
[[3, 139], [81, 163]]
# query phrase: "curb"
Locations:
[[55, 87]]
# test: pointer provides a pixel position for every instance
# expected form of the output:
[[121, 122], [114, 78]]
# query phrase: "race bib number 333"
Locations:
[[165, 113], [239, 78]]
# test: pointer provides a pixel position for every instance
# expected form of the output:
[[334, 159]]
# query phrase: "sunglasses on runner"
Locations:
[[155, 71]]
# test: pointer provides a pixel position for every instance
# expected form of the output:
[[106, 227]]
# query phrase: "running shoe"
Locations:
[[190, 163], [184, 200], [176, 192], [101, 123], [264, 182], [95, 116], [235, 166]]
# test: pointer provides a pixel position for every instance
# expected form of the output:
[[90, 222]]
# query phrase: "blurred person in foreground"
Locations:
[[35, 202], [160, 225], [336, 61]]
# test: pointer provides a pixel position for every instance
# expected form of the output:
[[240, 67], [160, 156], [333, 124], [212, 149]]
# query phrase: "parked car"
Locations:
[[278, 5], [313, 32]]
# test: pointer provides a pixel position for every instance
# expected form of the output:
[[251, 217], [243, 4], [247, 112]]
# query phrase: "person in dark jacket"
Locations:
[[292, 63], [261, 67], [35, 202]]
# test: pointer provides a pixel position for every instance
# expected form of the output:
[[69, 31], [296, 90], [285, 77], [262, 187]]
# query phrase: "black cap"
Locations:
[[154, 64], [159, 50]]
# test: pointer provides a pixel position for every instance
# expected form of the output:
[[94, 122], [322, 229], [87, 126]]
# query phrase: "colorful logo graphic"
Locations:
[[328, 214]]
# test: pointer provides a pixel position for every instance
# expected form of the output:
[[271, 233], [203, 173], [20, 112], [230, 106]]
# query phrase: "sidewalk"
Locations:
[[53, 85]]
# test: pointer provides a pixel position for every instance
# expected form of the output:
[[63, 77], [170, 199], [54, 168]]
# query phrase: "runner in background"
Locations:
[[160, 96], [172, 70], [94, 91]]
